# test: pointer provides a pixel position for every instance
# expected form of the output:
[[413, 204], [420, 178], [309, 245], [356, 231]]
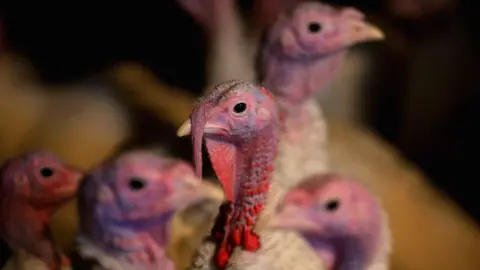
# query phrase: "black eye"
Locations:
[[240, 107], [46, 172], [136, 183], [314, 27], [332, 205]]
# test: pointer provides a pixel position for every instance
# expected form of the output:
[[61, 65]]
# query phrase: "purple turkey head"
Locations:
[[305, 48], [339, 217], [139, 187]]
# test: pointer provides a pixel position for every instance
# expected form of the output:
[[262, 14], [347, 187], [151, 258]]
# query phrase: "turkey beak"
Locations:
[[362, 31], [185, 129], [188, 189], [69, 189], [294, 218], [210, 128]]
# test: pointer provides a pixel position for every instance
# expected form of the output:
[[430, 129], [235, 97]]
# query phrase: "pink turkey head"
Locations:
[[39, 178], [314, 30], [328, 204], [231, 114], [332, 210], [139, 186]]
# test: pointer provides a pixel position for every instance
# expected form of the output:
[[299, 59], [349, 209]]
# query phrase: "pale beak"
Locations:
[[210, 128], [184, 129], [70, 189], [189, 190], [78, 178], [295, 219], [364, 31]]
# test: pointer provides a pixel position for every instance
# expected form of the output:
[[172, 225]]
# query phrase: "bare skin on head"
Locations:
[[33, 186], [126, 205], [239, 123], [305, 48], [337, 216]]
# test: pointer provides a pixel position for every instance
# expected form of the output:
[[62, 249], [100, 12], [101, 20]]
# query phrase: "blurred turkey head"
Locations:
[[138, 187], [317, 29], [337, 216], [305, 48], [39, 178]]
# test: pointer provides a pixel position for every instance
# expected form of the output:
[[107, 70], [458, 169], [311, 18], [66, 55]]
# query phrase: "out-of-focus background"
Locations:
[[88, 82]]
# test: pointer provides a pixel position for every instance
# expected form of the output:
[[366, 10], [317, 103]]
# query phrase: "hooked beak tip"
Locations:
[[375, 33], [185, 129], [365, 31]]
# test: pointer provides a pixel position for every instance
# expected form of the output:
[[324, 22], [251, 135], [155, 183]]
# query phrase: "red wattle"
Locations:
[[251, 241], [236, 237], [223, 255]]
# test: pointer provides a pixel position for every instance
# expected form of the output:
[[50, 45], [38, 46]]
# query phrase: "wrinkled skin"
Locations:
[[337, 216], [239, 121], [126, 204], [33, 186]]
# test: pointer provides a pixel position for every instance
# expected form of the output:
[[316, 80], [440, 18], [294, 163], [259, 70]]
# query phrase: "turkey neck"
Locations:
[[351, 253], [354, 255], [21, 208], [308, 76], [254, 161]]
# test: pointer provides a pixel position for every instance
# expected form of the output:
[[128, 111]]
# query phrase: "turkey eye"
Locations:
[[46, 172], [314, 27], [136, 183], [332, 205], [240, 107]]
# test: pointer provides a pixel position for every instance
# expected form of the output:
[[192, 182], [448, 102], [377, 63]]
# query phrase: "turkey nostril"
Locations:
[[314, 27]]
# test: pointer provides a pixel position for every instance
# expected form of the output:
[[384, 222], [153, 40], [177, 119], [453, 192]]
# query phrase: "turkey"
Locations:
[[33, 186], [240, 123], [126, 206], [302, 52], [340, 219]]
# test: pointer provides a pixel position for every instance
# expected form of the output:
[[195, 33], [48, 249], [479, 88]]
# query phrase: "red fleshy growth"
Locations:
[[224, 167], [251, 241], [223, 255], [236, 237]]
